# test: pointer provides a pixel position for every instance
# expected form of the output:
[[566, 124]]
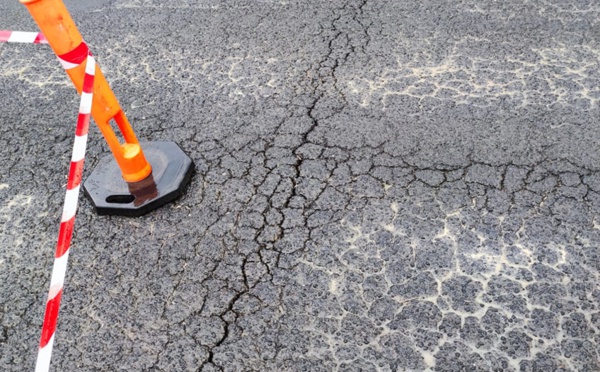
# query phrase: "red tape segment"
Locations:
[[74, 58], [22, 37], [67, 222]]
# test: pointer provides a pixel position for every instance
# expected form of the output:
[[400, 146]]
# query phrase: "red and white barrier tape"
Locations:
[[69, 60], [68, 216], [75, 57], [22, 37], [72, 59]]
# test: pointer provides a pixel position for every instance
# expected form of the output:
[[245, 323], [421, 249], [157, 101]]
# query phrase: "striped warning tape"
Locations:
[[72, 59], [70, 207], [22, 37]]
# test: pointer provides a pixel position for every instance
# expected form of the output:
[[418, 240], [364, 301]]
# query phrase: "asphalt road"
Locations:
[[381, 185]]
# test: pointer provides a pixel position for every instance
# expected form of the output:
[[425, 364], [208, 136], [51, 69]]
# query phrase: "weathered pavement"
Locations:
[[381, 185]]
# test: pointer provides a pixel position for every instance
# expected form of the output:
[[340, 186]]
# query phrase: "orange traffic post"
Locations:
[[136, 181], [59, 29]]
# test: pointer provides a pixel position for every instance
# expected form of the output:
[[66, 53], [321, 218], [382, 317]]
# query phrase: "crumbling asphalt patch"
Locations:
[[380, 186]]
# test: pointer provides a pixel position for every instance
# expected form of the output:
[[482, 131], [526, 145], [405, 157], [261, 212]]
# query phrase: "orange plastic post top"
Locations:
[[58, 27]]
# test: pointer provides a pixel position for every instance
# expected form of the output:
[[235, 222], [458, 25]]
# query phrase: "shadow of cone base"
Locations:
[[172, 170]]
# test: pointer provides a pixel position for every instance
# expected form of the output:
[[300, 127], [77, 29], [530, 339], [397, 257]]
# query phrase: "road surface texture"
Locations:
[[381, 185]]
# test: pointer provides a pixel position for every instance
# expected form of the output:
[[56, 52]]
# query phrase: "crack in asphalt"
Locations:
[[326, 77]]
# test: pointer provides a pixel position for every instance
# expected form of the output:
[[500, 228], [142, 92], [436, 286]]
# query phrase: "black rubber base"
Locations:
[[172, 170]]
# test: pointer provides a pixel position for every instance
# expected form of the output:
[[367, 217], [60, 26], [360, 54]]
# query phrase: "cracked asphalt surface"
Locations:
[[381, 185]]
